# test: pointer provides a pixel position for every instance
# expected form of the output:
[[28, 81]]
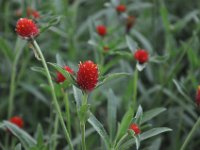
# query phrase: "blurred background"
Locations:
[[168, 29]]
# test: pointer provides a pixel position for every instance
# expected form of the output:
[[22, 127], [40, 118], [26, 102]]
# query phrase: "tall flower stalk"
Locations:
[[55, 101]]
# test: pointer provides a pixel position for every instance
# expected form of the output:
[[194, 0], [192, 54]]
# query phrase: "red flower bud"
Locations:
[[31, 12], [101, 29], [135, 128], [141, 56], [87, 75], [121, 8], [18, 121], [105, 48], [198, 97], [129, 23], [60, 78], [26, 28]]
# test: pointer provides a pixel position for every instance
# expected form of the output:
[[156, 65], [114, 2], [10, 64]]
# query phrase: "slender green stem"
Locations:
[[83, 135], [66, 100], [135, 79], [121, 141], [189, 137], [82, 124], [55, 101]]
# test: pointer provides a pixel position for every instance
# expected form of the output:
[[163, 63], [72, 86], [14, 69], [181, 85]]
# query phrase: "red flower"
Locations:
[[31, 12], [198, 96], [101, 29], [87, 75], [26, 28], [135, 128], [121, 8], [141, 56], [18, 121], [129, 23], [60, 78]]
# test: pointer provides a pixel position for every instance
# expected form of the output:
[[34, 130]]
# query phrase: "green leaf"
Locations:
[[83, 112], [26, 140], [139, 115], [148, 115], [66, 74], [159, 59], [153, 132], [32, 89], [146, 44], [39, 70], [99, 128], [77, 96], [6, 49], [125, 123], [18, 147], [39, 135], [112, 112], [131, 44], [113, 76]]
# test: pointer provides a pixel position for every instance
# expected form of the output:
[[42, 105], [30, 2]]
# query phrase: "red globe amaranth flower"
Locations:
[[60, 78], [18, 121], [135, 128], [26, 28], [101, 29], [121, 8], [87, 76], [198, 96], [141, 56], [129, 23]]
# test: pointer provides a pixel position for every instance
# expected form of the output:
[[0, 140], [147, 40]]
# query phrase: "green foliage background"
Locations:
[[168, 28]]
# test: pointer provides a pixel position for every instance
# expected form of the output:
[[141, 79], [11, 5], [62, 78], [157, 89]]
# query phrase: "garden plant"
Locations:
[[99, 75]]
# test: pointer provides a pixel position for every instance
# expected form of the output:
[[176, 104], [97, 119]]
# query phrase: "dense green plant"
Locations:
[[65, 115]]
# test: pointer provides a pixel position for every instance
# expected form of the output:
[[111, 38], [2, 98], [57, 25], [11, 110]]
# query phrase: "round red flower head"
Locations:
[[60, 78], [101, 30], [121, 8], [141, 56], [135, 128], [198, 96], [26, 28], [18, 121], [87, 75]]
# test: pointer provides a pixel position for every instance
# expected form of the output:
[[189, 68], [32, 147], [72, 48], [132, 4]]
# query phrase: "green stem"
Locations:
[[135, 79], [66, 100], [82, 124], [189, 137], [55, 101], [83, 135], [120, 141]]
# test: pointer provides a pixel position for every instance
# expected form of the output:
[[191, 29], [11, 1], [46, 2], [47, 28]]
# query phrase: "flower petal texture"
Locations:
[[18, 121], [141, 56], [87, 76], [101, 30], [135, 128], [26, 28], [121, 8]]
